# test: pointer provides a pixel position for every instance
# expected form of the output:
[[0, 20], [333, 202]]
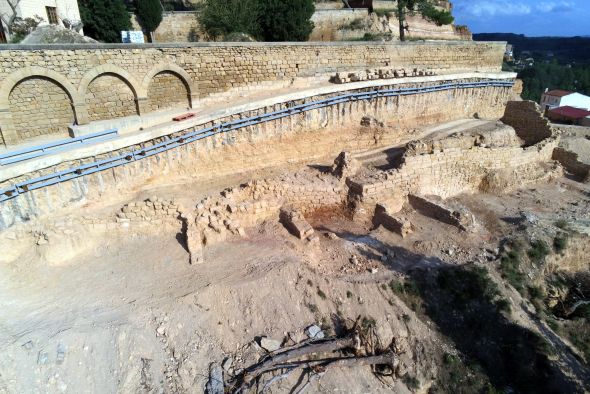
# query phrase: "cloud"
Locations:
[[555, 6], [490, 8]]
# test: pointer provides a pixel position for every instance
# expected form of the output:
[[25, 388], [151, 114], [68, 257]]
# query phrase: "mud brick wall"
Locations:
[[204, 68]]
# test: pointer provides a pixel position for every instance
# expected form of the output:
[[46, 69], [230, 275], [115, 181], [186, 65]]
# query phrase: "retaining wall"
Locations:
[[301, 137], [74, 77]]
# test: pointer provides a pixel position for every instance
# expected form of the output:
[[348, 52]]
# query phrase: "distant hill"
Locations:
[[564, 49]]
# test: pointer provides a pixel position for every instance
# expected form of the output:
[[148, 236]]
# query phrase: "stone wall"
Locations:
[[303, 137], [176, 26], [454, 170], [39, 106], [108, 96], [527, 119], [211, 68], [167, 91], [355, 24], [570, 161]]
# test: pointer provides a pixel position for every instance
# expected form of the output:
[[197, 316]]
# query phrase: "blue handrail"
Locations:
[[19, 155]]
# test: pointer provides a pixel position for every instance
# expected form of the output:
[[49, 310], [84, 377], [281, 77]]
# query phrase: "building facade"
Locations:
[[53, 12], [561, 98]]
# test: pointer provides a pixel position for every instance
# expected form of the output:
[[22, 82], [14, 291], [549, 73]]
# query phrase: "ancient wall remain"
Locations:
[[569, 160], [454, 171], [212, 68], [302, 137], [527, 119]]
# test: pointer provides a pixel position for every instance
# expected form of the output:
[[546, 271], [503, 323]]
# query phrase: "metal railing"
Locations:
[[138, 154], [16, 156]]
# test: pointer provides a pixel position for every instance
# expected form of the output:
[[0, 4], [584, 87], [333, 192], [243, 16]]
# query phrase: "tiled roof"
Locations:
[[570, 112], [558, 93]]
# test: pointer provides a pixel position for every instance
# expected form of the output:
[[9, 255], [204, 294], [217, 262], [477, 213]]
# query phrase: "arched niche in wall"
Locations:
[[40, 106], [109, 92], [167, 86]]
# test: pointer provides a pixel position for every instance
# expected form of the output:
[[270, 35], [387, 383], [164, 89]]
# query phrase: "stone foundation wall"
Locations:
[[305, 137], [451, 173], [527, 119], [209, 69]]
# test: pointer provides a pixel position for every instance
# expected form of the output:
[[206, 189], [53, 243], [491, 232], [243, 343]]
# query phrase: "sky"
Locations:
[[529, 17]]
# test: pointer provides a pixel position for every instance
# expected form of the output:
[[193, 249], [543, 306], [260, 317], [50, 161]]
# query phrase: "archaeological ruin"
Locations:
[[222, 217]]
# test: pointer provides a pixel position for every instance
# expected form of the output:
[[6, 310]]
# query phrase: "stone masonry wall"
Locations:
[[40, 107], [213, 68], [176, 26], [305, 137], [109, 97], [167, 91], [454, 170]]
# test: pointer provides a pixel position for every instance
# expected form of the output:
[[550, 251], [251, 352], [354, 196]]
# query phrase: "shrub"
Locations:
[[104, 19], [538, 251], [560, 242], [219, 18], [265, 20], [321, 294], [150, 15]]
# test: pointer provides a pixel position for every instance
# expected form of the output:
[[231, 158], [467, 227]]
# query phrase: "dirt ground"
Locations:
[[125, 312]]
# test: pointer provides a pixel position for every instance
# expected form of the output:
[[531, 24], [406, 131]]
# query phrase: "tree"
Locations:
[[149, 13], [265, 20], [286, 20], [219, 18], [8, 18], [425, 8], [104, 20], [22, 27]]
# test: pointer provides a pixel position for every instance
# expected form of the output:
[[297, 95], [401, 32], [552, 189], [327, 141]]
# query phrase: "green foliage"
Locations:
[[321, 294], [349, 294], [554, 76], [22, 27], [149, 13], [562, 224], [538, 251], [265, 20], [313, 308], [286, 20], [356, 24], [560, 242], [104, 19], [222, 17], [510, 265], [411, 382], [426, 8], [368, 323], [467, 285]]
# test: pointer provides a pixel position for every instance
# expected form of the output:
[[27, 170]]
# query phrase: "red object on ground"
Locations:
[[183, 117]]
